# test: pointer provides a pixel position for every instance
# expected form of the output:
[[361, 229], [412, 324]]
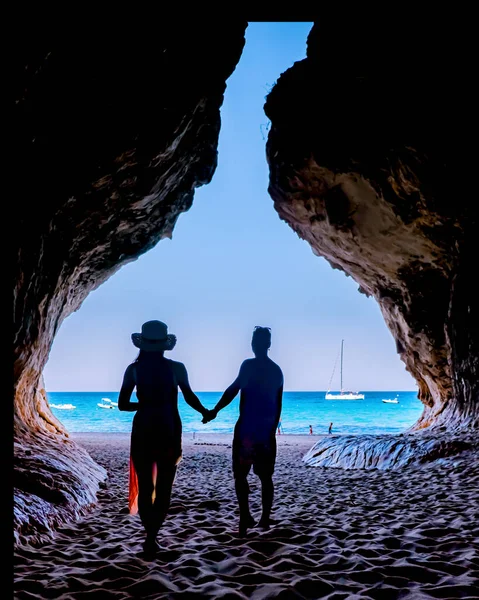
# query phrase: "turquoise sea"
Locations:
[[300, 410]]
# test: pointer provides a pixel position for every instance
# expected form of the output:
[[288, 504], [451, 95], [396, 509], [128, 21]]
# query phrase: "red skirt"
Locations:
[[133, 490], [133, 484]]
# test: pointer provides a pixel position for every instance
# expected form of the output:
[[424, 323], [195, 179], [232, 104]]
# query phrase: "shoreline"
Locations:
[[221, 437], [195, 437]]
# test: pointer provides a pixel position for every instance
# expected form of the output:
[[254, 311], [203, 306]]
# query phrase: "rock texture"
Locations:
[[54, 479], [365, 149], [388, 452], [116, 124]]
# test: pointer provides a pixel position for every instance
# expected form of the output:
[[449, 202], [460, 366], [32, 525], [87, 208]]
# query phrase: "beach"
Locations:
[[341, 534]]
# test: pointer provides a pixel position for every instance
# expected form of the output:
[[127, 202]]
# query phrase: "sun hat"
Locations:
[[154, 336]]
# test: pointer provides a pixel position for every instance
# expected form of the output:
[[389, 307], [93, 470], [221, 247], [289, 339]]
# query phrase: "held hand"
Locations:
[[209, 416]]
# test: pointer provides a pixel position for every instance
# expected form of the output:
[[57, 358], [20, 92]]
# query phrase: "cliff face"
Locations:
[[363, 152], [115, 128]]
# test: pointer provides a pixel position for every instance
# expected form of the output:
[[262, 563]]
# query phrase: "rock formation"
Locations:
[[388, 452], [364, 150], [115, 125]]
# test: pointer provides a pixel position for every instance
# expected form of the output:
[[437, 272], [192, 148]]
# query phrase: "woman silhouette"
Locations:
[[155, 448]]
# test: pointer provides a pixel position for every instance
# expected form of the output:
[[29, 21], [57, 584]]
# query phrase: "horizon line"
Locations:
[[218, 391]]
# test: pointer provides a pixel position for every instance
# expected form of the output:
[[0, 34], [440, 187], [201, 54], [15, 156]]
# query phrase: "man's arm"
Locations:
[[127, 388], [188, 394], [230, 392]]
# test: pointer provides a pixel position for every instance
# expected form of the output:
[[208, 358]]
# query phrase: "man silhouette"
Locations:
[[260, 381]]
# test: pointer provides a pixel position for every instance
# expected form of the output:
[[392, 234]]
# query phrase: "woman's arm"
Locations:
[[188, 394], [127, 388]]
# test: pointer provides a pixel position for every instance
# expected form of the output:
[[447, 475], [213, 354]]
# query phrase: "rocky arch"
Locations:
[[116, 127], [363, 147], [115, 131]]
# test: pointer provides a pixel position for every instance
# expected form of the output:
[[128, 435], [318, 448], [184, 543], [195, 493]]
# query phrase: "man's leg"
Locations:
[[267, 495], [264, 469], [241, 469]]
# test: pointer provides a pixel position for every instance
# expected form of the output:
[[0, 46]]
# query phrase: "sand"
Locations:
[[411, 533]]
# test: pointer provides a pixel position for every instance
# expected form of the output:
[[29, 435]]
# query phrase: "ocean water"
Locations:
[[300, 410]]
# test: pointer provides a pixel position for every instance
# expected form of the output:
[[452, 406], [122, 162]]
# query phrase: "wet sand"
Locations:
[[411, 533]]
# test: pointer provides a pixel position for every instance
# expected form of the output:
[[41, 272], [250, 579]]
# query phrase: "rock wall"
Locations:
[[116, 123], [54, 479], [364, 150]]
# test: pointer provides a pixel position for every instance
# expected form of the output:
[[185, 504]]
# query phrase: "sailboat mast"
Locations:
[[342, 342]]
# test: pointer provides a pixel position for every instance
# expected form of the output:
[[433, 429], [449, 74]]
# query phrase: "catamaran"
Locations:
[[342, 395]]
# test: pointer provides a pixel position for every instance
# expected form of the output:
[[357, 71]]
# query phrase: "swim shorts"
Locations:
[[248, 453]]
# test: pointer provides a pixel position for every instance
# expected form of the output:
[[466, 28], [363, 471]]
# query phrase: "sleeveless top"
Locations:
[[157, 392]]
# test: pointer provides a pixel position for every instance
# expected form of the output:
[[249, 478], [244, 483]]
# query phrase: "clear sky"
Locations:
[[233, 264]]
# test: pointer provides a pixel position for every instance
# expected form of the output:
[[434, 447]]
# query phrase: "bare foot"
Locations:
[[150, 546], [265, 524], [245, 524]]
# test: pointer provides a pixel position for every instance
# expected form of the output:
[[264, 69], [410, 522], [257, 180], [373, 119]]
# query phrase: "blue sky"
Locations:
[[233, 264]]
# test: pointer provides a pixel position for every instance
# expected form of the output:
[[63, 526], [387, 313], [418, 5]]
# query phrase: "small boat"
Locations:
[[101, 405], [342, 395], [63, 406], [391, 400], [110, 401]]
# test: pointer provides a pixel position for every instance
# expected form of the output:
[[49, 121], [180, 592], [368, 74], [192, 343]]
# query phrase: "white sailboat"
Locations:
[[342, 395]]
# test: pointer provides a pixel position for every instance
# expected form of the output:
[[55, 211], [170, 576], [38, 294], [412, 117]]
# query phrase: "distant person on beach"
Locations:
[[260, 381], [155, 449], [330, 428], [310, 430], [280, 427]]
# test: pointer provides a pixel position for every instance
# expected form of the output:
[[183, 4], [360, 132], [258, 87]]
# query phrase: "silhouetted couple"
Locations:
[[157, 430]]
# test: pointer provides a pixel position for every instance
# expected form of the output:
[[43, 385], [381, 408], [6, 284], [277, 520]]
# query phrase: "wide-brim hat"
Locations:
[[154, 336]]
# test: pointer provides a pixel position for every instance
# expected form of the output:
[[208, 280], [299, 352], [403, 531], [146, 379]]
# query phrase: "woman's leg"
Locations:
[[164, 485], [144, 471]]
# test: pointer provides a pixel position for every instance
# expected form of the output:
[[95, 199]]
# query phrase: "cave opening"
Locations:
[[230, 265]]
